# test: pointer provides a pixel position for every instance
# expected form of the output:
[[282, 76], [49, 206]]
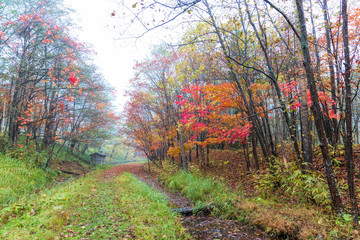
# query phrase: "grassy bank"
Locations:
[[19, 179], [93, 208], [23, 171]]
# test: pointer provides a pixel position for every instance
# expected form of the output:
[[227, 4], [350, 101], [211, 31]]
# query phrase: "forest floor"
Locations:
[[201, 225]]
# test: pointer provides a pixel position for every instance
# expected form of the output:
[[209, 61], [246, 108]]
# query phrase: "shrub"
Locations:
[[291, 182]]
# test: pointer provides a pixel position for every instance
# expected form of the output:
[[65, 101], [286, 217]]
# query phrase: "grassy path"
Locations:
[[107, 205]]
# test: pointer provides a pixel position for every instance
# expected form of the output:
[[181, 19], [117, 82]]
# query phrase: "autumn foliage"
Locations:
[[50, 90], [262, 79]]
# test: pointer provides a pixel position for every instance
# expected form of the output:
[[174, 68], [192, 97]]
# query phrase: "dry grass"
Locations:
[[298, 222]]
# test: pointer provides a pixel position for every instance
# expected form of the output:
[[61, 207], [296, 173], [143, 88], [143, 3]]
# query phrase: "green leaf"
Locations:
[[347, 217]]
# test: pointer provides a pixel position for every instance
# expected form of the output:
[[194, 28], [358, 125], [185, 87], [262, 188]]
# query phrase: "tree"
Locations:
[[348, 114], [53, 91], [316, 109], [275, 68]]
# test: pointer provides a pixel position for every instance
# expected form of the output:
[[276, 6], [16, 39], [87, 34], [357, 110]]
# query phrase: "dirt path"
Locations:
[[200, 226], [117, 170]]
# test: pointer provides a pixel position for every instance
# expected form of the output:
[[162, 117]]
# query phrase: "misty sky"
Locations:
[[114, 57]]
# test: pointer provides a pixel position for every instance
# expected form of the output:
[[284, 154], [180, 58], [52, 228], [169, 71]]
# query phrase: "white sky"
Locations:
[[114, 58]]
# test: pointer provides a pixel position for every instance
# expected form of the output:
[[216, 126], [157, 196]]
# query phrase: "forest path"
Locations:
[[115, 204], [201, 226]]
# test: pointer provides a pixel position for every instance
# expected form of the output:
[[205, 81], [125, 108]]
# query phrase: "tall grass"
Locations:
[[18, 179], [206, 192]]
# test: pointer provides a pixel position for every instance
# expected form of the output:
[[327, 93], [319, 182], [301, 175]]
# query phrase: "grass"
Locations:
[[205, 192], [93, 208], [19, 179], [21, 174], [154, 220]]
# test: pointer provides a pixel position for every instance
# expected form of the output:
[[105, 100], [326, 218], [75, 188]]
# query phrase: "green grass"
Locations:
[[205, 192], [154, 218], [19, 179], [95, 209], [43, 216]]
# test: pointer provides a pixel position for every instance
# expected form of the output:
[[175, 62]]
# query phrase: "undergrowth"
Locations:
[[291, 183], [304, 220]]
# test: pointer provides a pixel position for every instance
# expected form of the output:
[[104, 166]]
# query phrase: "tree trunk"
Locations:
[[183, 158], [86, 146], [258, 127], [305, 127], [207, 155], [246, 155], [254, 150], [332, 71], [348, 144], [273, 81], [190, 157], [316, 109]]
